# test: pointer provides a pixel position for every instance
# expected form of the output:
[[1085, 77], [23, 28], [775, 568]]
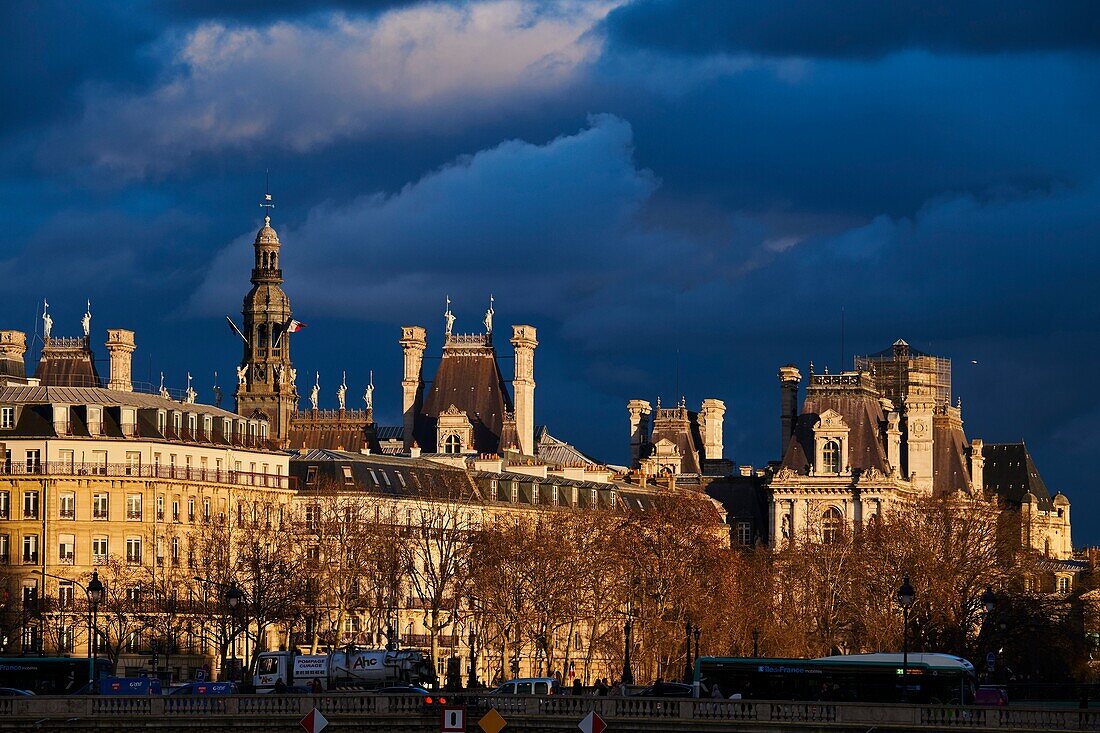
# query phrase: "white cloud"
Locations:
[[302, 84]]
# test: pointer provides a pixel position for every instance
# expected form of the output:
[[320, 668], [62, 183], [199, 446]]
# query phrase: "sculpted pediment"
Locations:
[[831, 420], [665, 447]]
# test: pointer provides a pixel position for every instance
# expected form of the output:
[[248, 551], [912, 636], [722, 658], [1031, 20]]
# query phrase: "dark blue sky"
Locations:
[[681, 195]]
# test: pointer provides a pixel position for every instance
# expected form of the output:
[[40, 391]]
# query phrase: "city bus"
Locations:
[[52, 675], [928, 678]]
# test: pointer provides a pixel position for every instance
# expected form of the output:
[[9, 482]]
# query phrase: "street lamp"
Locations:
[[687, 650], [94, 593], [756, 642], [695, 633], [906, 595], [628, 676], [989, 601]]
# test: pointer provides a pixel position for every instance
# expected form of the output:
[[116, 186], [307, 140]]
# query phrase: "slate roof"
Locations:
[[862, 412], [342, 434], [101, 396], [389, 475], [67, 363], [468, 378], [557, 452], [1011, 474], [950, 466]]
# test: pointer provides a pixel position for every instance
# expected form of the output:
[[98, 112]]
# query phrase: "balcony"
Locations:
[[30, 513], [66, 558], [30, 558], [132, 516], [182, 473], [67, 514]]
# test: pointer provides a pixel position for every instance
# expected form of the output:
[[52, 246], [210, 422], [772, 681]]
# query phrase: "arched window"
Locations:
[[261, 336], [452, 444], [832, 521], [830, 457]]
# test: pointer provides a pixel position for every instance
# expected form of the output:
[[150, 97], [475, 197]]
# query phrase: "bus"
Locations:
[[52, 675], [875, 678]]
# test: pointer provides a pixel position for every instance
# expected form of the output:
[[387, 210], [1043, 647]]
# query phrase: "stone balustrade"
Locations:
[[365, 711]]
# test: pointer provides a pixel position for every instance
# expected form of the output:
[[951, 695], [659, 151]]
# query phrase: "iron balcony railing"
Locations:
[[180, 473]]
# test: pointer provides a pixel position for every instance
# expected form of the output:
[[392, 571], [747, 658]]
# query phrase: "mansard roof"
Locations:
[[67, 362], [851, 396], [950, 451], [557, 452], [341, 430], [1010, 472], [319, 470], [470, 379]]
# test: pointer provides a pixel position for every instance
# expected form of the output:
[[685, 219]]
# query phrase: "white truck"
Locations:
[[351, 668]]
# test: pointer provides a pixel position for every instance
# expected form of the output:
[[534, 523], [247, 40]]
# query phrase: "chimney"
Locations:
[[120, 347], [523, 385], [639, 429], [712, 413], [13, 346], [977, 467], [413, 342], [789, 379]]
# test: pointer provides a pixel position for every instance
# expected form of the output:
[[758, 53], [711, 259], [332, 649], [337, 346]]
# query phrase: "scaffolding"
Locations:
[[898, 369]]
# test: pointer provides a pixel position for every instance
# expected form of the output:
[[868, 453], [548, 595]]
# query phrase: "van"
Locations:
[[529, 686]]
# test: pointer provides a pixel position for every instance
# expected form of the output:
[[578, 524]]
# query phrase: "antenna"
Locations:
[[842, 338]]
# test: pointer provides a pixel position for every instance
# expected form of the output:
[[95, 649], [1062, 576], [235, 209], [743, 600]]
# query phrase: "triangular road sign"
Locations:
[[592, 723]]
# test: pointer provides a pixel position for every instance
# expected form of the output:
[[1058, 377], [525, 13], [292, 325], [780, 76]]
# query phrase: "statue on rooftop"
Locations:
[[86, 321], [316, 391], [449, 318], [489, 318], [242, 375], [47, 321], [368, 396], [342, 390]]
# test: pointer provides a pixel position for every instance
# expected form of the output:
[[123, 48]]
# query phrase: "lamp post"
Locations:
[[756, 642], [628, 676], [989, 602], [233, 597], [906, 595], [93, 592], [695, 633]]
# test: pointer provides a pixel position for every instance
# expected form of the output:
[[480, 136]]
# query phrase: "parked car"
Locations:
[[430, 698], [207, 688], [665, 689], [14, 692], [529, 686], [992, 695]]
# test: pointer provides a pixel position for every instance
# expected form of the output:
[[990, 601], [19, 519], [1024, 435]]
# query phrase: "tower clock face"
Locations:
[[918, 428]]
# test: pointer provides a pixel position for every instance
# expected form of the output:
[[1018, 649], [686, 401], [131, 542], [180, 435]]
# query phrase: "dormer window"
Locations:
[[226, 428], [192, 422], [162, 421], [177, 422], [452, 444], [831, 444], [95, 419], [7, 418], [207, 425]]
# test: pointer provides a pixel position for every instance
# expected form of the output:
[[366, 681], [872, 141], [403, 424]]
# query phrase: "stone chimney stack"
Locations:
[[523, 385], [13, 346], [789, 379], [712, 413], [120, 347], [639, 428], [413, 343], [977, 467]]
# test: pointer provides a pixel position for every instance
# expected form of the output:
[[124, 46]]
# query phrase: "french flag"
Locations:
[[294, 326]]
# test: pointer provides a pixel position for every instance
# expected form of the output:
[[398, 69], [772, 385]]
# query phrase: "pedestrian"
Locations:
[[601, 688], [280, 687], [715, 692], [578, 688], [315, 686]]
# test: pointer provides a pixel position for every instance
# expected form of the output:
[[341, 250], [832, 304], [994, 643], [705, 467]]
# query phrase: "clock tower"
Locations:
[[265, 379]]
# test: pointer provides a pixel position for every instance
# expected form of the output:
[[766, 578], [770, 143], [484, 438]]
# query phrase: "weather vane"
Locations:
[[268, 202]]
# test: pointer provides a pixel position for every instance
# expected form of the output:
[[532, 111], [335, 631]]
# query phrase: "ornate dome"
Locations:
[[267, 234]]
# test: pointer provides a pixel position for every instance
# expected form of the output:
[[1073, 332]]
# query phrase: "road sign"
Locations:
[[454, 719], [492, 722], [592, 723], [314, 722], [990, 660]]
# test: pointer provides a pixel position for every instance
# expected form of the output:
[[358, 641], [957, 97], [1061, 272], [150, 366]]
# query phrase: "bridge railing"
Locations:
[[675, 713]]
